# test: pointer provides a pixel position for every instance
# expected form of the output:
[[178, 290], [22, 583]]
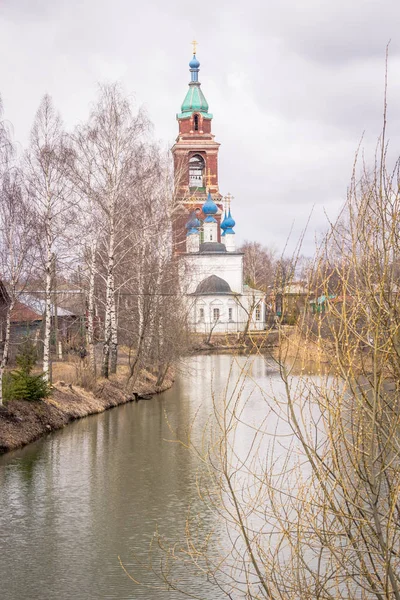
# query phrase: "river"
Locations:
[[75, 501]]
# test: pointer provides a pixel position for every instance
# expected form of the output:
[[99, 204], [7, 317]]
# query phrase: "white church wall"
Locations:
[[197, 267], [222, 314], [227, 313]]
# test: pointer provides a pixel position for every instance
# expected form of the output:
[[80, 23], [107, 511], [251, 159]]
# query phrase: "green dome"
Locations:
[[194, 100]]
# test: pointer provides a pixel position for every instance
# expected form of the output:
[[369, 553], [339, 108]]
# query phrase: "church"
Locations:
[[211, 269]]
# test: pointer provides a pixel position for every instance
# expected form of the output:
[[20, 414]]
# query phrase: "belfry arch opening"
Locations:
[[196, 122], [196, 171]]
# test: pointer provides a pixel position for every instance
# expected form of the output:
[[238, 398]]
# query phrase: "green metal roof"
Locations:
[[194, 102]]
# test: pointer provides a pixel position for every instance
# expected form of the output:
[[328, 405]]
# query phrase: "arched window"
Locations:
[[196, 122], [196, 168]]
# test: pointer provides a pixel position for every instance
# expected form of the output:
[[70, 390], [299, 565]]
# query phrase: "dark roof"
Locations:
[[38, 304], [212, 247], [21, 313], [213, 285]]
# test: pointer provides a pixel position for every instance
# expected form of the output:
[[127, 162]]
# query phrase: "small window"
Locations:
[[258, 313], [216, 314], [201, 314], [196, 169], [230, 312], [196, 122]]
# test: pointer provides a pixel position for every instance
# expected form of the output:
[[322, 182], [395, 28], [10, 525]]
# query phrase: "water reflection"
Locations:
[[76, 500]]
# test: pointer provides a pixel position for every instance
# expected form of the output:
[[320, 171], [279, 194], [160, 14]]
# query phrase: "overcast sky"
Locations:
[[292, 84]]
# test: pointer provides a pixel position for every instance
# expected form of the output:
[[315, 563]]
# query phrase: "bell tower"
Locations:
[[195, 155]]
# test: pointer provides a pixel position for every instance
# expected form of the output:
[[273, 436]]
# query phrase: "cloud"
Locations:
[[293, 87]]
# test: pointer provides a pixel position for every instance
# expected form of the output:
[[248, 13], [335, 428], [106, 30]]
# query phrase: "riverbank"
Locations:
[[23, 422], [253, 343]]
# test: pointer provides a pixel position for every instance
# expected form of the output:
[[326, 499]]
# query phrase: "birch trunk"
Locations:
[[48, 286], [107, 339], [113, 332], [47, 325], [6, 349], [110, 340], [54, 294], [91, 308], [140, 295]]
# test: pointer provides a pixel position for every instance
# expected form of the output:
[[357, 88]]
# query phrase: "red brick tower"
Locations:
[[195, 155]]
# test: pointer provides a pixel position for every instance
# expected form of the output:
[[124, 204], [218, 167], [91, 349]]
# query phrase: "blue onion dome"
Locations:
[[194, 63], [193, 221], [193, 224], [229, 224], [209, 206], [223, 224], [229, 221]]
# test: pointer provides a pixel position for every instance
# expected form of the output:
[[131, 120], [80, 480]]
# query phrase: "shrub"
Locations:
[[21, 384]]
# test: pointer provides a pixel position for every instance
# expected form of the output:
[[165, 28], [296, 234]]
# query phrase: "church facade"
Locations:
[[211, 270]]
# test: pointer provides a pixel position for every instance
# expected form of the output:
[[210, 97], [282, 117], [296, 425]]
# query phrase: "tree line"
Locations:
[[93, 207]]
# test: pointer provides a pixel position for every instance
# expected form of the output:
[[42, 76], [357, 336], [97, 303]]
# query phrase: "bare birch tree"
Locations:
[[109, 144], [17, 249], [156, 325], [51, 196], [16, 237], [81, 169]]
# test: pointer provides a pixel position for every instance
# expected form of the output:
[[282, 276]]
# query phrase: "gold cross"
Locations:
[[228, 199], [194, 46], [209, 178]]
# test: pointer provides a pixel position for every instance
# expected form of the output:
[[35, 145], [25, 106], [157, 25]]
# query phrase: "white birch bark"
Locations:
[[110, 317], [105, 369], [140, 298], [111, 295], [47, 315], [113, 329], [6, 349], [91, 307]]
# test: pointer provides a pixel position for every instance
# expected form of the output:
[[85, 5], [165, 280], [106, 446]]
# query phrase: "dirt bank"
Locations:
[[22, 422], [252, 343]]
